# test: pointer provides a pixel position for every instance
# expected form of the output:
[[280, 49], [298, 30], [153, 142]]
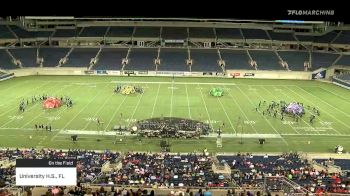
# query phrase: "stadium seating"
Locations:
[[222, 33], [5, 33], [142, 59], [88, 166], [344, 164], [26, 55], [120, 32], [266, 60], [343, 38], [147, 32], [93, 32], [254, 34], [111, 59], [305, 38], [281, 36], [344, 60], [345, 77], [327, 38], [173, 59], [65, 33], [81, 57], [174, 33], [295, 59], [235, 59], [197, 32], [323, 59], [52, 56], [21, 33], [205, 60], [6, 61]]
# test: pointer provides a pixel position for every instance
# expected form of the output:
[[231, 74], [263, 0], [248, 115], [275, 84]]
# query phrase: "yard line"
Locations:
[[205, 105], [263, 116], [44, 111], [17, 84], [15, 99], [78, 113], [155, 101], [188, 103], [239, 107], [171, 99], [222, 106], [27, 110], [346, 99], [101, 107], [325, 111], [289, 98], [115, 112], [308, 123], [137, 105], [348, 115]]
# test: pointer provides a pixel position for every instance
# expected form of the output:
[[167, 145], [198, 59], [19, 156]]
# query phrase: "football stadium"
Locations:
[[174, 106]]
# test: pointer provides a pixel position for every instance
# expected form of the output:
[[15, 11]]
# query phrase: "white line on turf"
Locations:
[[100, 108], [155, 101], [347, 99], [27, 110], [239, 107], [205, 105], [223, 108], [44, 111], [276, 100], [22, 95], [348, 115], [81, 110], [188, 103], [325, 111], [114, 113], [171, 99], [137, 105], [303, 119], [268, 122]]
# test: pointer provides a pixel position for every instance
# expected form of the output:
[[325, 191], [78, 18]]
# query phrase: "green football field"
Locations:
[[93, 98]]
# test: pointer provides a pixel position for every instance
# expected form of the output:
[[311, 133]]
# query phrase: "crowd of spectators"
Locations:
[[164, 170]]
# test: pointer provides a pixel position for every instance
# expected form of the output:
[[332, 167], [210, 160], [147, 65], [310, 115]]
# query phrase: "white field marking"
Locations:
[[245, 115], [290, 124], [155, 101], [130, 120], [81, 110], [347, 99], [348, 115], [114, 113], [172, 88], [205, 105], [171, 99], [325, 111], [327, 128], [22, 95], [89, 119], [52, 118], [326, 123], [13, 87], [25, 129], [28, 109], [263, 115], [16, 117], [280, 90], [249, 122], [44, 111], [101, 107], [137, 105], [223, 108], [41, 141], [188, 103]]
